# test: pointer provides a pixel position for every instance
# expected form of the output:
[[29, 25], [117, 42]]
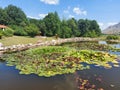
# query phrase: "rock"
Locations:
[[112, 85], [1, 45], [40, 41], [1, 48]]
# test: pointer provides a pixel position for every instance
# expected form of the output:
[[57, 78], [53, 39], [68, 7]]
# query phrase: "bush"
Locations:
[[112, 37], [29, 30], [1, 35], [8, 32], [19, 31], [32, 30]]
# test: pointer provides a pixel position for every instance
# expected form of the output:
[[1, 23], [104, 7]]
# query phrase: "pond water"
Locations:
[[10, 79], [108, 79], [114, 44]]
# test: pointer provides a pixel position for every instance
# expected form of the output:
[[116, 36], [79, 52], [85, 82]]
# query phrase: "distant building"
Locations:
[[3, 27]]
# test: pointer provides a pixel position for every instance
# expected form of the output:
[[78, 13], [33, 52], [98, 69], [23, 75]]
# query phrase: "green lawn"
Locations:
[[15, 40]]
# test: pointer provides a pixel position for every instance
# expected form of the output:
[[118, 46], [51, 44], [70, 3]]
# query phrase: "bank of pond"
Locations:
[[68, 59]]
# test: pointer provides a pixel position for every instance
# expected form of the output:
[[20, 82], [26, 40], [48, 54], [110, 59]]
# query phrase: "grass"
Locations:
[[15, 40]]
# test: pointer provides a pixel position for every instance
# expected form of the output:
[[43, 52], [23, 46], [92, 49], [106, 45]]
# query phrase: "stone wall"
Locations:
[[21, 47]]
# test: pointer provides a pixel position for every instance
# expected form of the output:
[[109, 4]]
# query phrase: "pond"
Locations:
[[114, 44], [98, 77]]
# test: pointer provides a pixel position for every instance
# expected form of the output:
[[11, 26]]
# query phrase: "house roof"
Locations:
[[3, 26]]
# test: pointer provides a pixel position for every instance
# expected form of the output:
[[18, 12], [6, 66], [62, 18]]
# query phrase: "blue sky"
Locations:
[[106, 12]]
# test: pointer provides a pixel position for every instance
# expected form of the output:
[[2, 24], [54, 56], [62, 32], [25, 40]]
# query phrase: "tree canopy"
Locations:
[[50, 25], [15, 15]]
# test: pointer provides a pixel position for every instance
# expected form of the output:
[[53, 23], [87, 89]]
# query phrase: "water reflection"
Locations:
[[114, 44], [10, 79], [102, 42], [108, 79]]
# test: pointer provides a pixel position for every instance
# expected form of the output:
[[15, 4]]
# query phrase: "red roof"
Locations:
[[3, 26]]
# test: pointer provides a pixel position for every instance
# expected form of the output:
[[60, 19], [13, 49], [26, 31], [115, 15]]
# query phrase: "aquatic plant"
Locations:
[[94, 57], [84, 84], [90, 46], [112, 37], [52, 60]]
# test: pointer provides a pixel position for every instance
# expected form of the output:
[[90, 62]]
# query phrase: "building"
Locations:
[[3, 27]]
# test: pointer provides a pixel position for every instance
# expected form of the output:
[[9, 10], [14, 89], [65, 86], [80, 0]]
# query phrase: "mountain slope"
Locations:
[[114, 29]]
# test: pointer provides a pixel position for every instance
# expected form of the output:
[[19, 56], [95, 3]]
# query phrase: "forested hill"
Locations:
[[114, 29], [51, 25]]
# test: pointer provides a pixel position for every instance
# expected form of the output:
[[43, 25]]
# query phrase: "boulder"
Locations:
[[1, 45]]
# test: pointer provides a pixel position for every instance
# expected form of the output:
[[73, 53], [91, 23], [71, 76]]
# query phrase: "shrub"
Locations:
[[1, 35], [32, 30], [20, 32], [8, 32], [112, 37]]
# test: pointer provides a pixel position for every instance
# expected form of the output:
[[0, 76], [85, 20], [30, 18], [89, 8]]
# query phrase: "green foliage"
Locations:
[[89, 28], [32, 30], [112, 37], [15, 18], [49, 26], [34, 21], [94, 28], [8, 32], [52, 23], [42, 28], [15, 15], [83, 26], [48, 50], [19, 31], [1, 34], [72, 24], [91, 46], [66, 32], [93, 57], [3, 17]]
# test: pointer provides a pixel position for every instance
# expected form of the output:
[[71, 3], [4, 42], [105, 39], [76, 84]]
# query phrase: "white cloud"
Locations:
[[33, 17], [111, 23], [102, 26], [78, 11], [54, 2], [42, 15], [71, 16], [106, 25]]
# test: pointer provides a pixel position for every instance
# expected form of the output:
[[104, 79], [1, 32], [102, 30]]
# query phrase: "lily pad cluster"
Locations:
[[95, 57], [84, 84], [91, 46], [53, 60]]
